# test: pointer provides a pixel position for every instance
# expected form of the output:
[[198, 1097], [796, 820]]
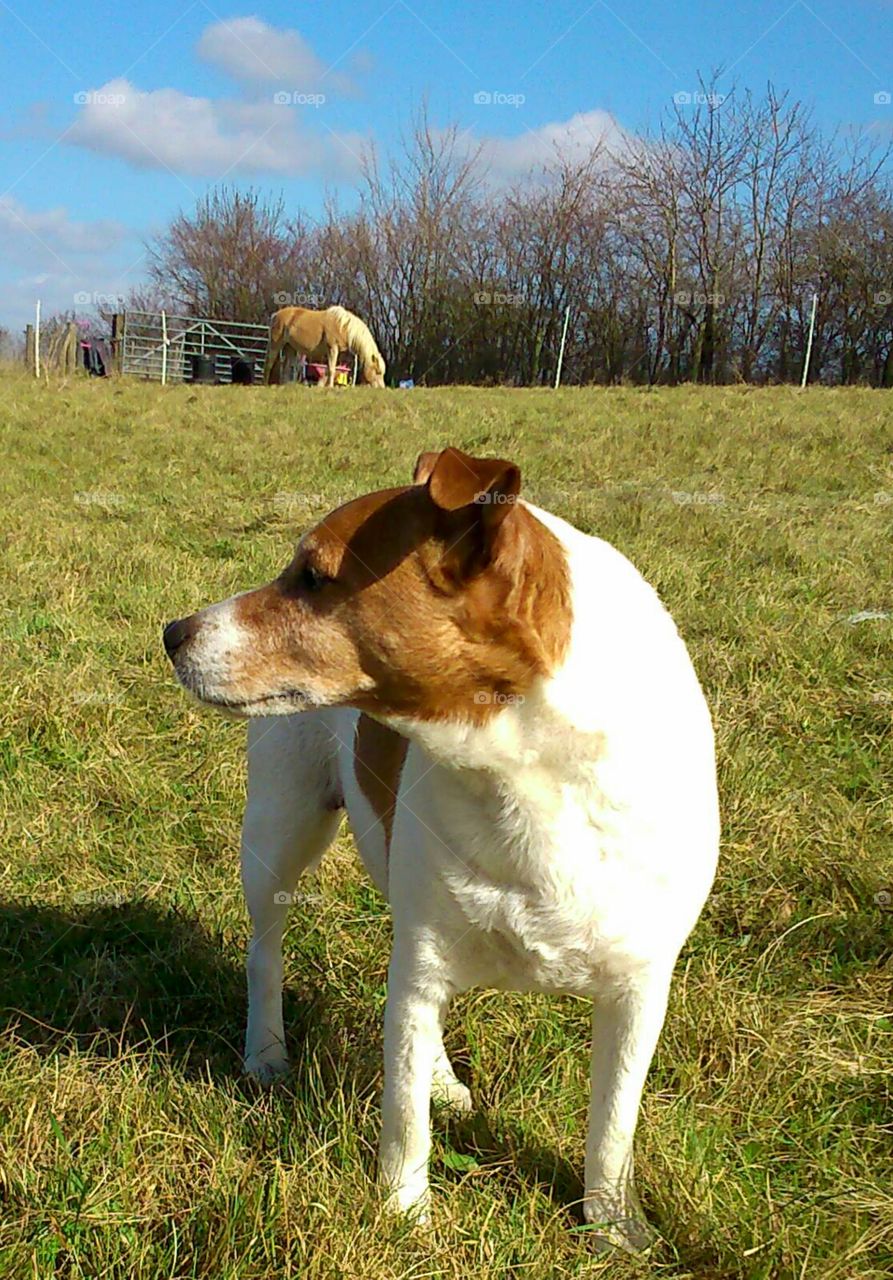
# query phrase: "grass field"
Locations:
[[129, 1144]]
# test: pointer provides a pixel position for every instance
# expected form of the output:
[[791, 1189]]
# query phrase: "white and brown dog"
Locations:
[[509, 716]]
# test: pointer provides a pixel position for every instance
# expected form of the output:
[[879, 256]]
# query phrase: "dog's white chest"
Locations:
[[552, 891]]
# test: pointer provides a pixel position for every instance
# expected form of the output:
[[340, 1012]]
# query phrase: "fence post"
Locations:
[[567, 316], [119, 322], [37, 340], [815, 303], [163, 349], [70, 349]]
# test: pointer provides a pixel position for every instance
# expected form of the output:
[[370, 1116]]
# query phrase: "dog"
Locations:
[[513, 724]]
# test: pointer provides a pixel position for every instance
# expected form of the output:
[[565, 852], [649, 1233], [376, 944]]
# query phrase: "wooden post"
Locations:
[[37, 340], [70, 349], [119, 324], [29, 347]]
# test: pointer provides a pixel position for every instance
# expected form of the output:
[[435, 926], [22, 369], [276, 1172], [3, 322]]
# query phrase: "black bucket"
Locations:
[[242, 371], [202, 368]]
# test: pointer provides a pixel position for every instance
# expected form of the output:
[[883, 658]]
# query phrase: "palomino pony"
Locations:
[[298, 331]]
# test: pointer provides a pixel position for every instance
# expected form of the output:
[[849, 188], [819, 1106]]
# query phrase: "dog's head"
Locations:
[[441, 599]]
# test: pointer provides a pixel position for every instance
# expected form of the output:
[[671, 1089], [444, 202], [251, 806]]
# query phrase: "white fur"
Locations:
[[565, 846], [205, 663]]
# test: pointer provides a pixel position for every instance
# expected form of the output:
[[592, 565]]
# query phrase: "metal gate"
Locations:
[[160, 346]]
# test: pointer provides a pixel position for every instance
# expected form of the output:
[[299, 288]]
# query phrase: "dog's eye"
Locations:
[[312, 579]]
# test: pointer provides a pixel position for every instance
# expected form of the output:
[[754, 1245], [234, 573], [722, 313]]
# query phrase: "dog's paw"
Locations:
[[410, 1200], [453, 1095], [617, 1225], [267, 1067]]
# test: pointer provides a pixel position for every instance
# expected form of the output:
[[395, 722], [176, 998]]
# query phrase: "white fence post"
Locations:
[[567, 316], [163, 349], [815, 303]]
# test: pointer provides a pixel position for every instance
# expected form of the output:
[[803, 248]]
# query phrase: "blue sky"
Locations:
[[115, 117]]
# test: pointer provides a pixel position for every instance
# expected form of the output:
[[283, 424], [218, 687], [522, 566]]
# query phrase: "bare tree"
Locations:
[[692, 253], [230, 256]]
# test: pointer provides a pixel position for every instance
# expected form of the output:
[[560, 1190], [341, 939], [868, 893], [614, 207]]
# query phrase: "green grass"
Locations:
[[130, 1145]]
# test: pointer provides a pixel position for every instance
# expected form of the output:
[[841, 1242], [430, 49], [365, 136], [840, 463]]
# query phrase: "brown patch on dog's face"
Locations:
[[440, 600]]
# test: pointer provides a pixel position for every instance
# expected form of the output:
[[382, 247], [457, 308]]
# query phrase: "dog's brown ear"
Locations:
[[425, 464], [457, 480], [473, 497]]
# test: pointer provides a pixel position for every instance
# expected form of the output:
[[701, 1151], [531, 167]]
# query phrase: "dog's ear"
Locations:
[[473, 496], [457, 480], [425, 464]]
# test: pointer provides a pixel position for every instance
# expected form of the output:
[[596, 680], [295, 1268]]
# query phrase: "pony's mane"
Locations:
[[359, 335]]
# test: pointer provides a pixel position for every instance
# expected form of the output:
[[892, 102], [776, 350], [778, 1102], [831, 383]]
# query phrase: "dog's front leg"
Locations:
[[625, 1028], [412, 1041]]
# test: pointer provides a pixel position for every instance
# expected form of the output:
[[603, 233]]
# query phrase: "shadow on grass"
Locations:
[[135, 975], [509, 1156], [107, 980]]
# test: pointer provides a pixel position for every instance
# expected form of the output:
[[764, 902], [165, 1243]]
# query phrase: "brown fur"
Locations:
[[379, 756], [447, 598]]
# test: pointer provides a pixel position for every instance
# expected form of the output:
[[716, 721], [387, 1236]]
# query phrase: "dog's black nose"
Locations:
[[177, 633]]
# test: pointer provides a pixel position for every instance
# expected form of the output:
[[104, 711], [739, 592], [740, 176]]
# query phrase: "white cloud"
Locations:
[[31, 235], [574, 140], [70, 264], [206, 137], [254, 53]]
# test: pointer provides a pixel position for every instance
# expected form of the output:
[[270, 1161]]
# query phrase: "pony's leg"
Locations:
[[273, 361], [332, 361]]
